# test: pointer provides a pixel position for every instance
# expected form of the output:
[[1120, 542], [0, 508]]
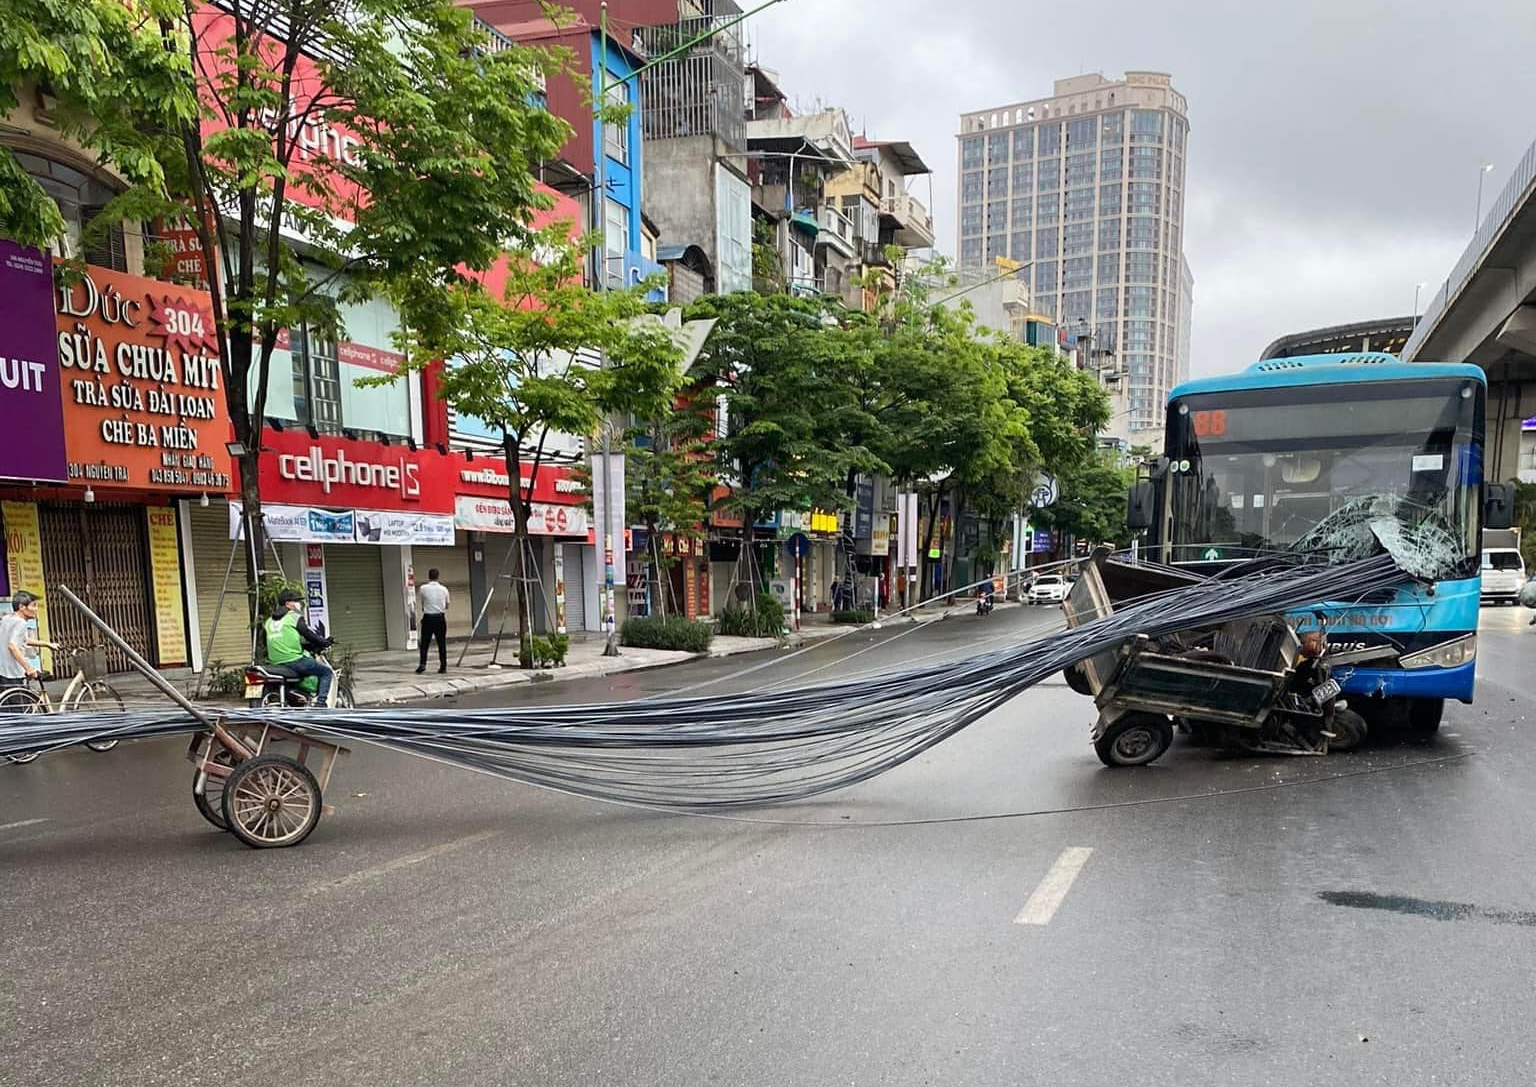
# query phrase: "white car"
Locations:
[[1048, 589]]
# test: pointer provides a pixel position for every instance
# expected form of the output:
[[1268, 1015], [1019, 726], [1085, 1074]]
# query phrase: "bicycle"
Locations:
[[82, 695]]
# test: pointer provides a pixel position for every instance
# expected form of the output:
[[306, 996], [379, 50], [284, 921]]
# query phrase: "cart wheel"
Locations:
[[97, 698], [1349, 730], [210, 802], [1134, 740], [271, 801]]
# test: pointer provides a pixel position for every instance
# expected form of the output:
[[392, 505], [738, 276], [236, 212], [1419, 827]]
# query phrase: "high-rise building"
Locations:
[[1087, 187]]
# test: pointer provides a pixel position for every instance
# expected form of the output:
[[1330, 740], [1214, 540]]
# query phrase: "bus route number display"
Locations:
[[1209, 424]]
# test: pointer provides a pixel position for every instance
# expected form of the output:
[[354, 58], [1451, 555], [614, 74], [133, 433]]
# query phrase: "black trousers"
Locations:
[[435, 626]]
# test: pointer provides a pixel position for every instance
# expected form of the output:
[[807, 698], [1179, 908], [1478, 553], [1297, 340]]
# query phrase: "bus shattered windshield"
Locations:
[[1256, 471]]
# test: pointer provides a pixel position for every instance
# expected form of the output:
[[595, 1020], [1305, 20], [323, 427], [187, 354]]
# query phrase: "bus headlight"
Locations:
[[1451, 654]]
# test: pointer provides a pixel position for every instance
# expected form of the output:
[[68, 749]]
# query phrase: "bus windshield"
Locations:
[[1253, 471]]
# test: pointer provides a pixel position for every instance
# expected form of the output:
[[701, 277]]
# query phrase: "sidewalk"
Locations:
[[386, 677], [389, 676]]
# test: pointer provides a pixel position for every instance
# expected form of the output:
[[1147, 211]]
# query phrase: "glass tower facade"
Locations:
[[1088, 187]]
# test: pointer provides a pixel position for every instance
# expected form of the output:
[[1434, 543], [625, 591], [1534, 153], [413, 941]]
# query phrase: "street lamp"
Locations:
[[1481, 173]]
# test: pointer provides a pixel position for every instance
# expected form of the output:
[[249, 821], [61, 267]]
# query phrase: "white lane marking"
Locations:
[[1043, 904], [398, 863], [23, 823]]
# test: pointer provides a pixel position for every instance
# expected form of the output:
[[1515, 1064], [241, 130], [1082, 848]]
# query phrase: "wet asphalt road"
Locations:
[[1271, 922]]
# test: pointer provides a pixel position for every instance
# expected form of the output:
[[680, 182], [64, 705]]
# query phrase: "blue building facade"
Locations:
[[619, 216]]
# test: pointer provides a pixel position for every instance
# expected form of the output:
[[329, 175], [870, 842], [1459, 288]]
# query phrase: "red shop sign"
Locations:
[[486, 477], [329, 471]]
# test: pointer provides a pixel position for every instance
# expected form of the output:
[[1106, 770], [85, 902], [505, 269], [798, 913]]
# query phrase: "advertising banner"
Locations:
[[495, 515], [24, 561], [392, 527], [141, 384], [31, 413], [300, 524], [314, 586], [165, 585]]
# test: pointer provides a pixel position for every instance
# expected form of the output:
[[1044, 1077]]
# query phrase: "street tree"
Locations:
[[542, 356], [669, 473], [1091, 505], [785, 366], [386, 140]]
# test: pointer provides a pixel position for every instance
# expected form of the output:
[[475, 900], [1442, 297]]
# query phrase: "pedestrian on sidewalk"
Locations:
[[434, 621]]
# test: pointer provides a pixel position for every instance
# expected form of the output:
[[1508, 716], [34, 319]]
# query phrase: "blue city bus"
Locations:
[[1254, 461]]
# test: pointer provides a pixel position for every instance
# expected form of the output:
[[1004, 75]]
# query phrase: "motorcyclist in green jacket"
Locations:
[[290, 640]]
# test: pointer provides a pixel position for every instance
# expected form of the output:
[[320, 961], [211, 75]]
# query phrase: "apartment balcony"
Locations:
[[911, 223], [837, 232], [500, 43]]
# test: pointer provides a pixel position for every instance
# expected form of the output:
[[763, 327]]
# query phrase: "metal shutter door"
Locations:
[[575, 588], [210, 558], [452, 565], [98, 551], [354, 583]]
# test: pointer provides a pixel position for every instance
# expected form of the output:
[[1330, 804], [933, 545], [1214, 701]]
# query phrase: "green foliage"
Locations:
[[267, 593], [545, 650], [789, 370], [857, 617], [767, 265], [670, 632], [112, 85], [224, 681], [1092, 502], [765, 620], [203, 116], [520, 362]]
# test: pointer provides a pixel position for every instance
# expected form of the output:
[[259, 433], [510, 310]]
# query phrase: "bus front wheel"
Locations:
[[1424, 715]]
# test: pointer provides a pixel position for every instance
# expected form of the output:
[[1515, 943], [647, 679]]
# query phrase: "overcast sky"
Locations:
[[1334, 145]]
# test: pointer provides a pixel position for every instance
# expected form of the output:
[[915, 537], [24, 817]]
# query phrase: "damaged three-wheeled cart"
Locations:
[[1253, 685]]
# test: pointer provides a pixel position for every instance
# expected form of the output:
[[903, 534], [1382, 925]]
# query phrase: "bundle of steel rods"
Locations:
[[733, 750]]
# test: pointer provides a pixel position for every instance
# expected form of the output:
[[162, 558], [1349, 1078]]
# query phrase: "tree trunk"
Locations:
[[512, 452], [923, 560], [954, 540], [658, 571]]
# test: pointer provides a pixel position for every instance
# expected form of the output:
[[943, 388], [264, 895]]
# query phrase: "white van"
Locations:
[[1503, 574]]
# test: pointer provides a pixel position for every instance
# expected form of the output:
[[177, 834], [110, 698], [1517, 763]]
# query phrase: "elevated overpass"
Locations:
[[1485, 313]]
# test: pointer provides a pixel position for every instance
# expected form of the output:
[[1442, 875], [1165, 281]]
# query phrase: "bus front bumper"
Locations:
[[1409, 682]]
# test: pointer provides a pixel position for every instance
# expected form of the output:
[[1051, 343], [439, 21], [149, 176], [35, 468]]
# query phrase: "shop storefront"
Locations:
[[346, 517], [138, 386], [559, 562]]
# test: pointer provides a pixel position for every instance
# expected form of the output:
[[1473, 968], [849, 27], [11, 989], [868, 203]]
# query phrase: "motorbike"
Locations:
[[985, 601], [277, 685]]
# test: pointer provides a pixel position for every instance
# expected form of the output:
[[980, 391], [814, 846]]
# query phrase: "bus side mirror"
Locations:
[[1498, 505], [1139, 506]]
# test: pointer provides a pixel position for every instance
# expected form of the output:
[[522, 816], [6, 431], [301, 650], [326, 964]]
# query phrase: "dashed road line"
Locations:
[[22, 823], [1047, 897], [365, 874]]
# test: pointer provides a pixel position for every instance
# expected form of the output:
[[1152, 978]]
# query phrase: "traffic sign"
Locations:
[[798, 545], [1211, 554], [1045, 491]]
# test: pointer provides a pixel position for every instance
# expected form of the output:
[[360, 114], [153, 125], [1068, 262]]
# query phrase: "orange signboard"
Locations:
[[142, 384]]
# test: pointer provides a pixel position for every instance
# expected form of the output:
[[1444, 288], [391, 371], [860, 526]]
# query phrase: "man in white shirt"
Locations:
[[434, 621], [16, 639]]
